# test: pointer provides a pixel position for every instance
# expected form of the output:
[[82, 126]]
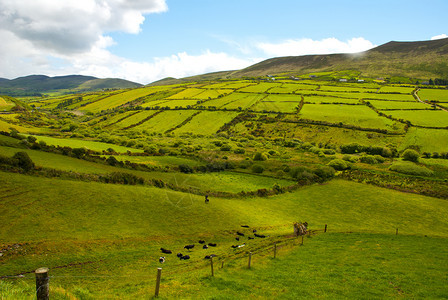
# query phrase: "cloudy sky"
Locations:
[[147, 40]]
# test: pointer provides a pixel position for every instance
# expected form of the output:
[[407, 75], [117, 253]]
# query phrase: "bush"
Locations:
[[23, 161], [410, 168], [122, 178], [368, 159], [111, 160], [257, 169], [226, 148], [329, 151], [260, 156], [410, 155], [352, 148], [338, 164], [386, 152], [324, 172], [185, 169], [239, 151], [379, 159]]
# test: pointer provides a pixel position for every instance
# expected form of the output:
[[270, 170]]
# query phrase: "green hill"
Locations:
[[40, 84], [423, 59]]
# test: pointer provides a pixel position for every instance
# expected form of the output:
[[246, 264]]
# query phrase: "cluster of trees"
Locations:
[[438, 81]]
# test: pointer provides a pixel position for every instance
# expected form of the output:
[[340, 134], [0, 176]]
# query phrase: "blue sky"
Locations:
[[146, 40]]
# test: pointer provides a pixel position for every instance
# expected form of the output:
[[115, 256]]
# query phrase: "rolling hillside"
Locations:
[[34, 85]]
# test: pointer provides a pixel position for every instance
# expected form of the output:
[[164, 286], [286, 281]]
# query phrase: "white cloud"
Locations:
[[102, 63], [294, 47], [73, 26], [440, 36]]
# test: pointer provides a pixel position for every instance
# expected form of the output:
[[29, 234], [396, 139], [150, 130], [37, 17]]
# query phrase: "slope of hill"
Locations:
[[423, 59], [38, 84]]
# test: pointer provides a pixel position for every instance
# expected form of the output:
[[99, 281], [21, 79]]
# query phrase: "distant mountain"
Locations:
[[426, 59], [41, 84]]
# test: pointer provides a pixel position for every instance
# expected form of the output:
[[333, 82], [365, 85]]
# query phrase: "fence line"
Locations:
[[42, 277]]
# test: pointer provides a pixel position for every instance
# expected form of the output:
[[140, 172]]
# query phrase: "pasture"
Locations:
[[433, 95], [207, 122], [426, 118], [348, 114], [166, 120]]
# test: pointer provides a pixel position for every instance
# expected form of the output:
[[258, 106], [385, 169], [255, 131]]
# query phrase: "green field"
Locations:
[[433, 94], [74, 143], [427, 140], [429, 118], [379, 104], [348, 114], [396, 89], [243, 100], [117, 100], [261, 87], [165, 120], [207, 122]]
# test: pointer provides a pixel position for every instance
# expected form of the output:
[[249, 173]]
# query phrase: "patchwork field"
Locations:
[[429, 118], [433, 94]]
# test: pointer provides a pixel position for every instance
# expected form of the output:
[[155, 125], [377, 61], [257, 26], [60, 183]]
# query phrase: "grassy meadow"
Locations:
[[363, 157]]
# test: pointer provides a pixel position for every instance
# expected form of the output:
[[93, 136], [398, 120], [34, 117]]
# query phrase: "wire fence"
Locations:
[[268, 248]]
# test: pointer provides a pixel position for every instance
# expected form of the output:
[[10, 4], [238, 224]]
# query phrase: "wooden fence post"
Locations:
[[42, 284], [325, 230], [275, 250], [250, 258], [211, 265], [159, 275], [302, 239], [396, 232]]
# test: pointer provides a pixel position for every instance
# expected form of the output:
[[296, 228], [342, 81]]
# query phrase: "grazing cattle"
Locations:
[[161, 259], [240, 246], [245, 226], [179, 255], [250, 238], [201, 242], [260, 235], [234, 246], [185, 257], [205, 247], [237, 238], [254, 230], [239, 233], [212, 244], [189, 247], [206, 199], [209, 256], [166, 251]]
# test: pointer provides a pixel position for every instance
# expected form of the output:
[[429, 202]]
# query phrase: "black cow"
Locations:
[[189, 247], [237, 238], [185, 257], [245, 226], [166, 251], [205, 247], [239, 233], [212, 244], [179, 255], [162, 259], [260, 235], [250, 238], [201, 242]]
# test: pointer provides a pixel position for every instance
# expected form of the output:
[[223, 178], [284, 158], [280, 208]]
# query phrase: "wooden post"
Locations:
[[42, 284], [302, 239], [396, 232], [159, 275], [211, 265], [250, 258], [222, 264], [325, 230], [275, 250]]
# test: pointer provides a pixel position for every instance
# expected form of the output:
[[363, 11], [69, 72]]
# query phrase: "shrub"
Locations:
[[386, 152], [368, 159], [352, 148], [338, 164], [257, 169], [260, 156], [23, 161], [122, 178], [410, 168], [379, 159], [185, 169], [329, 151], [226, 147], [324, 172], [111, 160], [239, 151], [410, 155]]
